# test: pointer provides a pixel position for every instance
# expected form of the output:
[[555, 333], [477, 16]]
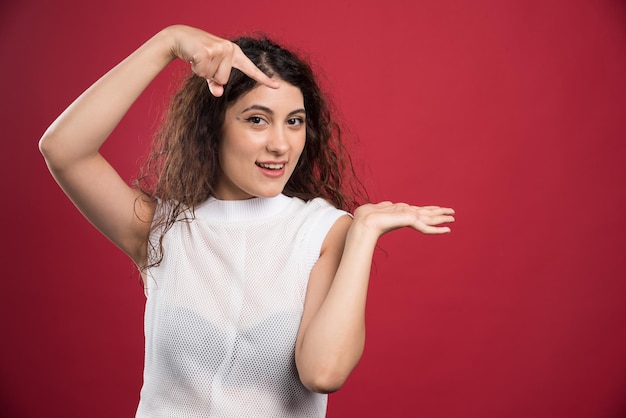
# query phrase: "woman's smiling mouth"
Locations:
[[271, 166]]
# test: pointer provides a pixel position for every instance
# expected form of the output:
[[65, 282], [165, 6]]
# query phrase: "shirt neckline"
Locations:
[[241, 210]]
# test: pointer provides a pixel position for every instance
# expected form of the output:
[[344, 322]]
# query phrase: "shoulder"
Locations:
[[336, 236], [331, 225], [317, 216], [322, 206]]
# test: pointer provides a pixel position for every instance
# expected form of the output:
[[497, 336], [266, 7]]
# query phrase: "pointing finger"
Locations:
[[243, 63]]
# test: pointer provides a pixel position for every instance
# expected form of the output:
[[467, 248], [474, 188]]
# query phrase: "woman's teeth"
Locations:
[[271, 166]]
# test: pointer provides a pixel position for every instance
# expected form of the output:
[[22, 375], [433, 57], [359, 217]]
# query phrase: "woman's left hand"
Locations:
[[384, 217], [332, 331]]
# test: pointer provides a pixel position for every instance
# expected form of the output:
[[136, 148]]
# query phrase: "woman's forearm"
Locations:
[[70, 147], [335, 338], [81, 129]]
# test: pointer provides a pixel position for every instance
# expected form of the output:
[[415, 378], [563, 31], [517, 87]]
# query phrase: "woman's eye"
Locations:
[[295, 121], [256, 120]]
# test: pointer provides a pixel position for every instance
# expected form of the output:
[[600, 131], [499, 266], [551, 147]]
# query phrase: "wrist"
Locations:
[[166, 39], [361, 231]]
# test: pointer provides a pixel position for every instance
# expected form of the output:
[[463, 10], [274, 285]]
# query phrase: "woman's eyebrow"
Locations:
[[258, 107], [270, 111], [295, 112]]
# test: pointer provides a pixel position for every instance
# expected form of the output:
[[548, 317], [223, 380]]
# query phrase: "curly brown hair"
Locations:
[[182, 168]]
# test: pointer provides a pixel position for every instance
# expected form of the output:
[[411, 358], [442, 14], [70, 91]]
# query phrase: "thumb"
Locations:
[[216, 89]]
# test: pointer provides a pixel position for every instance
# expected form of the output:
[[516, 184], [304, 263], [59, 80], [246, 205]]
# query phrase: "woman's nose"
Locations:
[[278, 141]]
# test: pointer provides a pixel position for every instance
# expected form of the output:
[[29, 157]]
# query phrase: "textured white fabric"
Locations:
[[224, 307]]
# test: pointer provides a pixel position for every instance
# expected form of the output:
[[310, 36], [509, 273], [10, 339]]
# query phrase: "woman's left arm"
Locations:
[[332, 332]]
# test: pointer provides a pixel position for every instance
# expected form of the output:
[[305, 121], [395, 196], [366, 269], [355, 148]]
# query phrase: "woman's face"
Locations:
[[263, 136]]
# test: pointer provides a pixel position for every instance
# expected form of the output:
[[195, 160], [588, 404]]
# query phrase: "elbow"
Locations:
[[323, 382], [44, 145], [327, 372], [47, 147], [55, 151], [327, 375]]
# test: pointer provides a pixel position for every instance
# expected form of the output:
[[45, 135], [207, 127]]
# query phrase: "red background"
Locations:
[[512, 112]]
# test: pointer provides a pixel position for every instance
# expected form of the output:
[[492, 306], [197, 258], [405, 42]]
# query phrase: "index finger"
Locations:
[[243, 63]]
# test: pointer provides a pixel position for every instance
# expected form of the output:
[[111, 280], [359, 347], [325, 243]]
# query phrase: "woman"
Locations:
[[256, 278]]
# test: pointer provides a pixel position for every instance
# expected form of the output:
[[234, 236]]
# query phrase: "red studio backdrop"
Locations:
[[512, 112]]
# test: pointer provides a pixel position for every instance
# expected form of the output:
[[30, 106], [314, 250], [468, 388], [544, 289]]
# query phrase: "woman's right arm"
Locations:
[[71, 144]]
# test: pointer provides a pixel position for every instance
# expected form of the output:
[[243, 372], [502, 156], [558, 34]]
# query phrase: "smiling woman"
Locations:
[[263, 137], [255, 274]]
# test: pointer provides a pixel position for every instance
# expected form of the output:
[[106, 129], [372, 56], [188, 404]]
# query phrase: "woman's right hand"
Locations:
[[71, 144], [212, 57]]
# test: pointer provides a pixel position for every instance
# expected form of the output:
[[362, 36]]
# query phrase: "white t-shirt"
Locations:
[[224, 307]]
